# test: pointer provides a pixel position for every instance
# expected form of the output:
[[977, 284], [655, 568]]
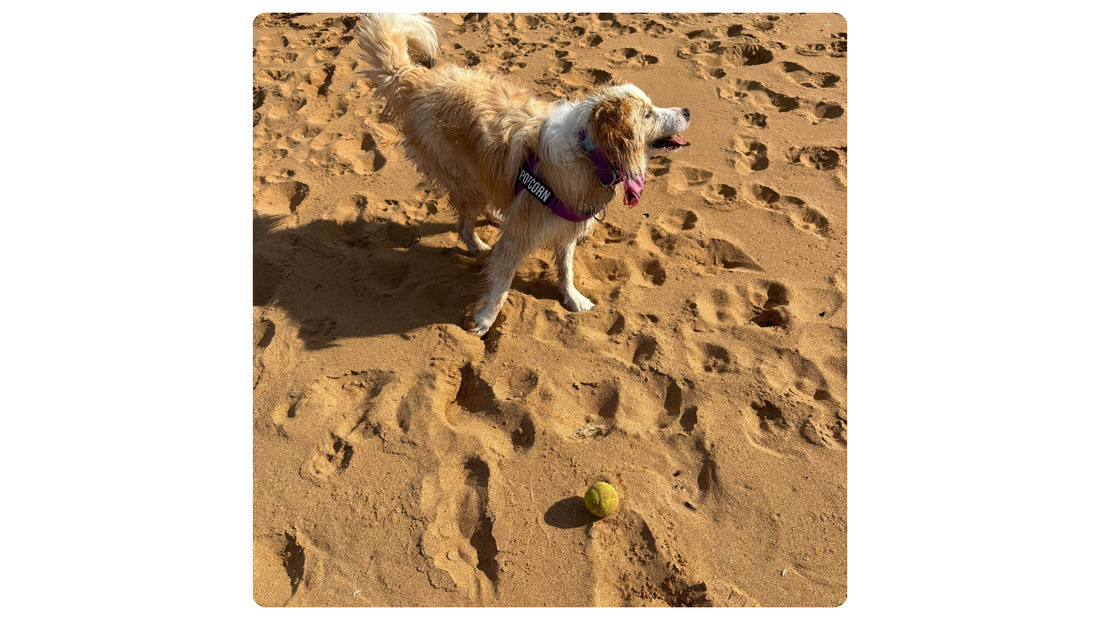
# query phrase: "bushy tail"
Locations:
[[392, 45]]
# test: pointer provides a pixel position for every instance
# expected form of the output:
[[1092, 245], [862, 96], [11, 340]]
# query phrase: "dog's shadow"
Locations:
[[359, 279]]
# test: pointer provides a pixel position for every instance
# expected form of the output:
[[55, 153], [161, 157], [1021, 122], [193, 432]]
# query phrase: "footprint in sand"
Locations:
[[836, 48], [748, 155], [631, 56], [720, 309], [687, 178], [818, 157], [302, 133], [753, 119], [598, 77], [758, 94], [283, 107], [475, 522], [273, 50], [719, 195], [826, 110], [610, 270], [796, 407], [476, 406], [697, 181], [294, 561], [675, 410], [655, 28], [687, 220], [335, 410], [659, 166], [770, 418], [560, 66], [329, 460], [713, 59], [459, 541], [370, 146], [810, 79], [717, 359], [338, 154], [647, 348], [325, 114], [618, 324], [654, 272], [653, 571], [318, 82], [783, 427], [280, 198], [773, 311], [795, 210], [619, 23], [684, 241]]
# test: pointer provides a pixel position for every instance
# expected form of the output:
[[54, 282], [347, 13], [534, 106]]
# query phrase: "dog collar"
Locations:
[[526, 180], [604, 170]]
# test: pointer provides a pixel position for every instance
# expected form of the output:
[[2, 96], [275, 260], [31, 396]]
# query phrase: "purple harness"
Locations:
[[526, 180]]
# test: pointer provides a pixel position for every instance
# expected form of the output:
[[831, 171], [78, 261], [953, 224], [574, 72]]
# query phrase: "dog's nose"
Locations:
[[686, 112]]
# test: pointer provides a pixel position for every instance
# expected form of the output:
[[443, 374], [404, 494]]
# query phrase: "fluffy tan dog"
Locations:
[[542, 170]]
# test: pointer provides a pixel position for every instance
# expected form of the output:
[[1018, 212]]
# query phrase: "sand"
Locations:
[[401, 461]]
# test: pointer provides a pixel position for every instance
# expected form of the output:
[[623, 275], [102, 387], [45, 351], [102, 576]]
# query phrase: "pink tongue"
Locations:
[[632, 190], [678, 140]]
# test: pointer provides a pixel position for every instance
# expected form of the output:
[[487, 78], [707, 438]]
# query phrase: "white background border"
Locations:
[[972, 316]]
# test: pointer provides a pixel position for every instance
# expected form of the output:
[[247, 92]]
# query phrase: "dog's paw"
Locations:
[[480, 323], [575, 302], [479, 249]]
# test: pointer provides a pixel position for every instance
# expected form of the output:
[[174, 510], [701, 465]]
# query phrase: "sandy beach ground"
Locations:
[[401, 461]]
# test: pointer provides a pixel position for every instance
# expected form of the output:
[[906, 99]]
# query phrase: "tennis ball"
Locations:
[[602, 499]]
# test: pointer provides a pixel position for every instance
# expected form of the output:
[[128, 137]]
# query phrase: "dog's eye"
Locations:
[[649, 115]]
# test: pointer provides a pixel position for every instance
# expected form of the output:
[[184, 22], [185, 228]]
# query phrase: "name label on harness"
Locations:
[[533, 185]]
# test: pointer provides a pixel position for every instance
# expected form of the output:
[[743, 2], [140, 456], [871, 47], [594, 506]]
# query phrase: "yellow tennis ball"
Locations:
[[602, 499]]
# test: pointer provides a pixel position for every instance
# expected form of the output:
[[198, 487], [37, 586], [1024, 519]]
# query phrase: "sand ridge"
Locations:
[[399, 460]]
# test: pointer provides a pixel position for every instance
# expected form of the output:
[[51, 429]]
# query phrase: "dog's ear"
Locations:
[[616, 131]]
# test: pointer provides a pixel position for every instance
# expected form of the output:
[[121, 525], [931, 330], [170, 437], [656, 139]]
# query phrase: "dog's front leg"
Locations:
[[505, 258], [572, 299]]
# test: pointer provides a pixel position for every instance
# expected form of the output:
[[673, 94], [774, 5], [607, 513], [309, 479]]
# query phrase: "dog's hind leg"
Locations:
[[571, 297], [469, 237], [468, 206], [500, 268]]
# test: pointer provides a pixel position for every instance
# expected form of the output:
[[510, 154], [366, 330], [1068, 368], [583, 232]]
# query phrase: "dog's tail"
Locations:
[[395, 47]]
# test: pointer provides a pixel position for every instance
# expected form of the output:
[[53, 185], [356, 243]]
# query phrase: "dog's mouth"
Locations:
[[668, 144]]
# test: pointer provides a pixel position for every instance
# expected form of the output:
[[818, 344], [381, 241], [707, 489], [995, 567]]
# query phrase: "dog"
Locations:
[[541, 170]]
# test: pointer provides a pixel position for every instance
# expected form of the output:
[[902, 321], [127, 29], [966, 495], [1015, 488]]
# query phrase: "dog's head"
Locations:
[[628, 129]]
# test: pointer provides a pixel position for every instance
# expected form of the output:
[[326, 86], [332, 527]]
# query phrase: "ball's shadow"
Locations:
[[569, 513]]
